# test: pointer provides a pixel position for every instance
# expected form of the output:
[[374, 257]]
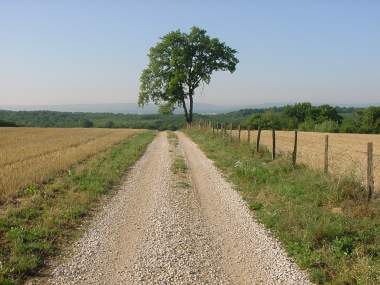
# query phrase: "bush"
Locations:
[[327, 126], [109, 124], [87, 123]]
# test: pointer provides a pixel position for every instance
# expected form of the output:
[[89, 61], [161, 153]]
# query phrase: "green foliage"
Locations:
[[271, 119], [100, 120], [47, 216], [179, 63], [324, 223], [109, 124], [327, 126], [7, 124], [166, 109], [370, 120], [316, 118], [179, 165], [306, 117], [87, 123]]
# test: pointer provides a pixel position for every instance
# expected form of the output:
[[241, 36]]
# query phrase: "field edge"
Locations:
[[48, 217], [325, 225]]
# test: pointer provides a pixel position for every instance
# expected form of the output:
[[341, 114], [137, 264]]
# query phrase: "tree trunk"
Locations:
[[185, 110], [191, 106]]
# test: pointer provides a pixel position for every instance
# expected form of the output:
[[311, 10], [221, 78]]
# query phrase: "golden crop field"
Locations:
[[347, 152], [33, 155]]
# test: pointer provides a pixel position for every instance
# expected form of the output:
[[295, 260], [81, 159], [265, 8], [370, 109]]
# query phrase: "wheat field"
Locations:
[[34, 155], [347, 152]]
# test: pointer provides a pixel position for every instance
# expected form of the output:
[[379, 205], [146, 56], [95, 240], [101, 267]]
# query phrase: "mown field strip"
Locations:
[[32, 156], [347, 152]]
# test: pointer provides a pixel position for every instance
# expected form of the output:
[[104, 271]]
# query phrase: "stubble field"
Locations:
[[347, 152], [34, 155]]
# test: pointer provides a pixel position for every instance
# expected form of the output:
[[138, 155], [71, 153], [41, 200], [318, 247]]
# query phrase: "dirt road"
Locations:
[[159, 230]]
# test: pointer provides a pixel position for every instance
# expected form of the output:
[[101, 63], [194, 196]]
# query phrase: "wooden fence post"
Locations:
[[213, 129], [249, 135], [239, 133], [258, 140], [370, 179], [326, 168], [231, 132], [273, 144], [294, 156]]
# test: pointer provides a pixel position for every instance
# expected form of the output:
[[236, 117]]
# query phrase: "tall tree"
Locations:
[[178, 64]]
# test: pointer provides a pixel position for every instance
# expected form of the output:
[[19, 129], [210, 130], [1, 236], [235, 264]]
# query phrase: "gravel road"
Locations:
[[158, 229]]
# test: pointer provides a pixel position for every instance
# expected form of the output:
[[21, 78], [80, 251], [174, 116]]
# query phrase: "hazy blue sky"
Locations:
[[57, 52]]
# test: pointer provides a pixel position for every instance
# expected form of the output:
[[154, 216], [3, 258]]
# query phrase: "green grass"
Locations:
[[45, 218], [324, 223], [179, 165]]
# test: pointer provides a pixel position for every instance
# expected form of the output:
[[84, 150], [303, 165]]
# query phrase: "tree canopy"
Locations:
[[178, 64]]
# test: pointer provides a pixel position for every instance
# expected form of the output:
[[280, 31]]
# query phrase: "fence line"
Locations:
[[334, 153]]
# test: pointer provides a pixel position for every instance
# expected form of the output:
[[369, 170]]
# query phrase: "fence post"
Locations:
[[273, 144], [294, 156], [370, 181], [231, 132], [326, 168], [258, 140], [213, 128], [239, 133], [249, 135]]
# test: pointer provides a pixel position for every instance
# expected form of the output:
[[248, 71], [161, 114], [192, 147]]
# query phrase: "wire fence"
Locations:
[[347, 154]]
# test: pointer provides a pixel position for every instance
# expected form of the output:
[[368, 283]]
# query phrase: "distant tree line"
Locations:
[[7, 124], [302, 116], [323, 118], [89, 120]]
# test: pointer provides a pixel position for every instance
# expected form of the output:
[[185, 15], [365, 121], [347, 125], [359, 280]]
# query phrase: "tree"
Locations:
[[178, 64], [327, 113], [7, 124], [300, 111], [109, 124], [166, 109], [87, 123], [370, 120]]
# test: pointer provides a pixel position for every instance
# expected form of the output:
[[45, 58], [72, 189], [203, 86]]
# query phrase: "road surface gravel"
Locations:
[[156, 230]]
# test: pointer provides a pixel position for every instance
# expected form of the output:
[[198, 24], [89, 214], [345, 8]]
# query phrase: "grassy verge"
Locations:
[[179, 166], [324, 222], [44, 218]]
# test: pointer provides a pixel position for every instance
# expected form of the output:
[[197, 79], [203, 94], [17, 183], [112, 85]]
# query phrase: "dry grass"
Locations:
[[34, 155], [347, 152]]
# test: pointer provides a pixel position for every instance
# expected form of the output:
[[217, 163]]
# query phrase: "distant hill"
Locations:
[[131, 108]]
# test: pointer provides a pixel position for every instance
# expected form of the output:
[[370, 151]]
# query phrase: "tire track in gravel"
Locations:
[[251, 255], [107, 252], [177, 248]]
